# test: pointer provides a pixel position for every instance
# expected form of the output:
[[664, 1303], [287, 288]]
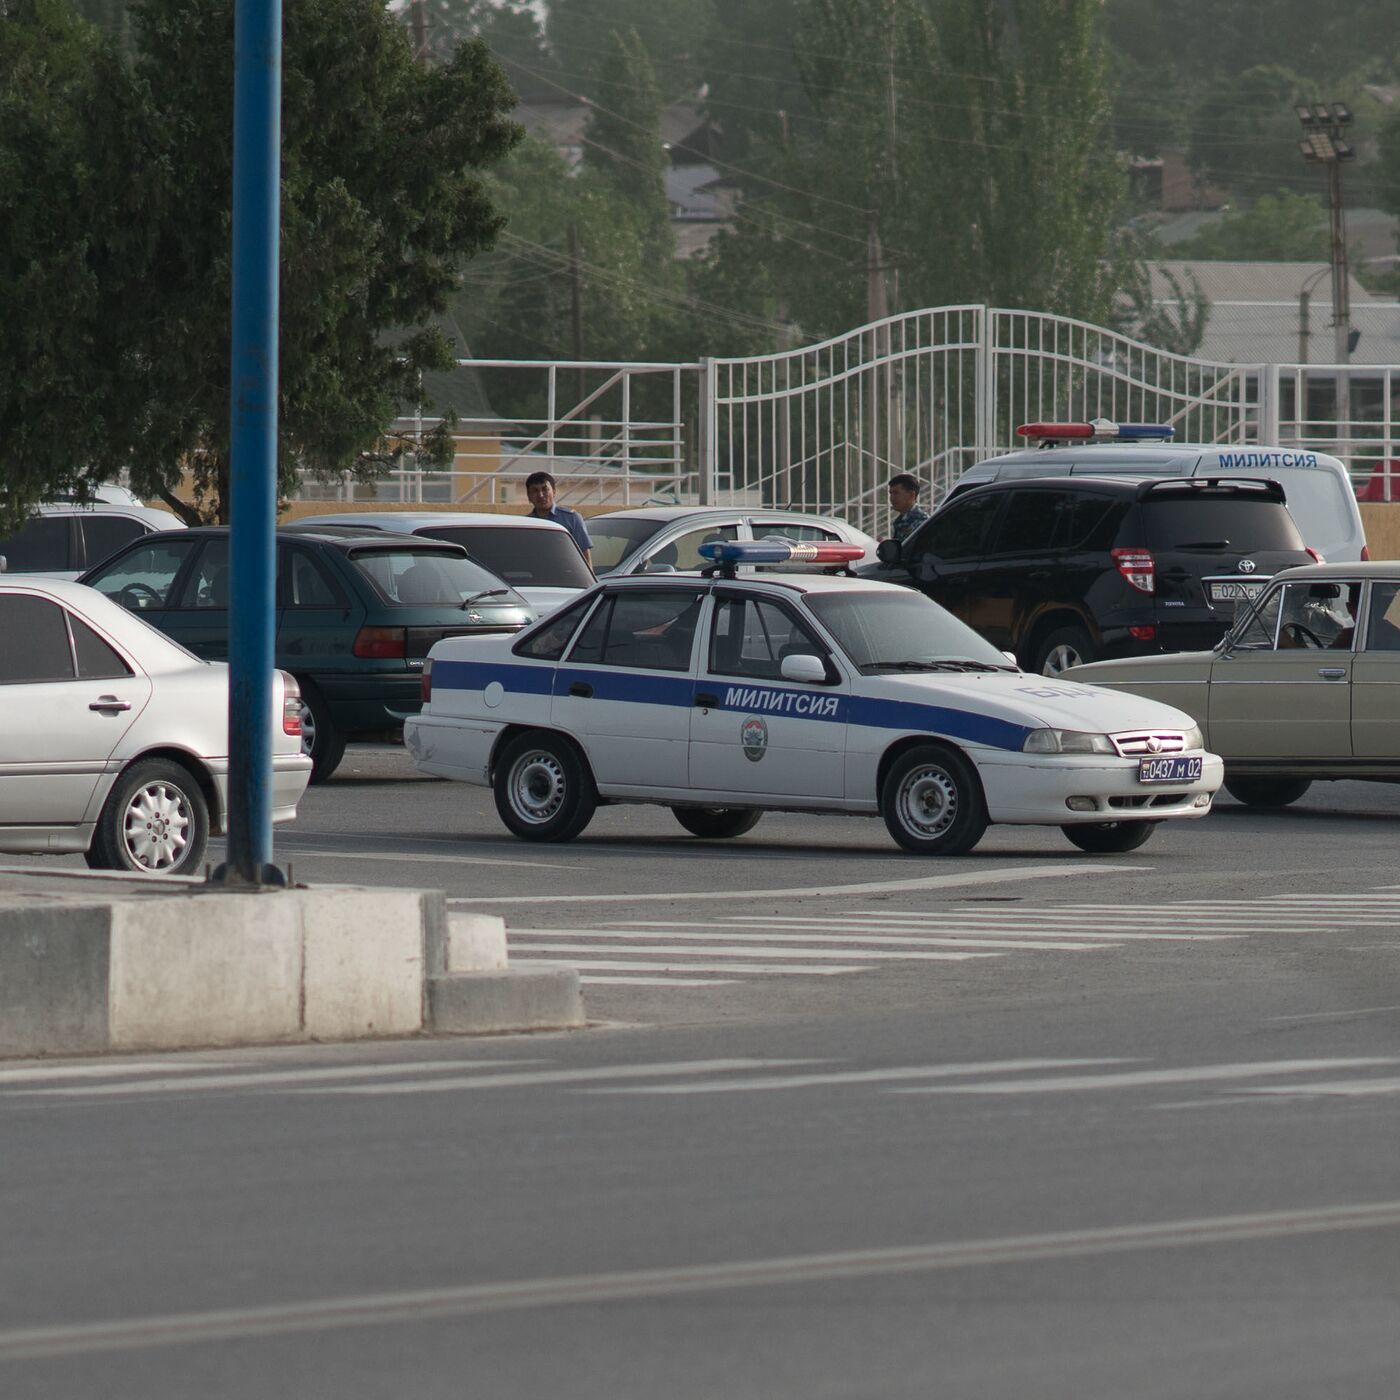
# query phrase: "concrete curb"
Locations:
[[543, 996], [89, 967]]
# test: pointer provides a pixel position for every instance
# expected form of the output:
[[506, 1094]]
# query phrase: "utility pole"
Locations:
[[576, 304], [1323, 144], [420, 29]]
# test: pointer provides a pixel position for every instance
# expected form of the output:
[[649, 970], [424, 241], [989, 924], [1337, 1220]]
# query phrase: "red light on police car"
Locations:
[[1055, 430]]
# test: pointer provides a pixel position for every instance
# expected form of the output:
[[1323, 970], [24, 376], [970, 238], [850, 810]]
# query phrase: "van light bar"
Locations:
[[779, 552], [1099, 429]]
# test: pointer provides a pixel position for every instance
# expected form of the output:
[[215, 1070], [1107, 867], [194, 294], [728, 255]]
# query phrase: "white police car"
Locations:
[[724, 697]]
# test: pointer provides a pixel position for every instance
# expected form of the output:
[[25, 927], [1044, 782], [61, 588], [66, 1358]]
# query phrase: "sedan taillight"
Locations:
[[381, 643], [1137, 567], [426, 684], [291, 705]]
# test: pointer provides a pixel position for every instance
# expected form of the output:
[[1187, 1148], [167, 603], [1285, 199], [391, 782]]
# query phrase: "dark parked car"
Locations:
[[1064, 570], [356, 616]]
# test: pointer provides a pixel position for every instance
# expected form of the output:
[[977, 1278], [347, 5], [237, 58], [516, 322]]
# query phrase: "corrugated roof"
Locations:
[[1254, 312]]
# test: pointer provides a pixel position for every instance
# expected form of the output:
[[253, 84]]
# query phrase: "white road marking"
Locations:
[[851, 1076], [1337, 1015], [786, 969], [426, 858], [1133, 1079], [761, 950], [889, 932], [535, 1078], [417, 1306], [108, 1069], [1068, 914], [1340, 1088], [846, 940], [1005, 875], [257, 1079], [657, 981]]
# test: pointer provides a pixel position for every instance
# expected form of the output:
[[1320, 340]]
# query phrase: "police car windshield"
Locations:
[[902, 631]]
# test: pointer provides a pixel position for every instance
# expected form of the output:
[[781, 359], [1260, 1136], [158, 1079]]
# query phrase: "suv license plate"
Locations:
[[1180, 768], [1231, 592]]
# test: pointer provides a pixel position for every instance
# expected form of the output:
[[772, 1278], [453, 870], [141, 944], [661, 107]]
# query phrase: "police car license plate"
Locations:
[[1179, 768], [1228, 591]]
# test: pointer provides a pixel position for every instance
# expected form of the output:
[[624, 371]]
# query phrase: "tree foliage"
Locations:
[[969, 141], [80, 190], [1282, 227], [381, 200]]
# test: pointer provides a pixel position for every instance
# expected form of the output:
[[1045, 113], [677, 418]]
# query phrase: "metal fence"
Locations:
[[823, 427]]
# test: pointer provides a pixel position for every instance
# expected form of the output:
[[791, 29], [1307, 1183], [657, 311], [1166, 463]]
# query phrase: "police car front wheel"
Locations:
[[1109, 838], [544, 791], [932, 802], [717, 821]]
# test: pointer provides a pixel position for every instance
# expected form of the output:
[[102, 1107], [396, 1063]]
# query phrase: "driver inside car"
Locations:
[[1319, 616]]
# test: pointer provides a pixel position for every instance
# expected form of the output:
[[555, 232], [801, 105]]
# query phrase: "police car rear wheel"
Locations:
[[1109, 838], [716, 821], [544, 791], [932, 802]]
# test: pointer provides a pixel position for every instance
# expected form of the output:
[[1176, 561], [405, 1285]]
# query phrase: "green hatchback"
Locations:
[[356, 616]]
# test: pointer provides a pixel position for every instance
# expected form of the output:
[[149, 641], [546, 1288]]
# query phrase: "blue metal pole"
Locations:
[[257, 141]]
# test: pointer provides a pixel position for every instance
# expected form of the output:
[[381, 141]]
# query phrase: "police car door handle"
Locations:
[[706, 700], [582, 689], [1332, 673], [109, 705]]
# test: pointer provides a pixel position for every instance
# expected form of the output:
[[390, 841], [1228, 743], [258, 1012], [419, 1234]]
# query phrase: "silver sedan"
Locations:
[[115, 738]]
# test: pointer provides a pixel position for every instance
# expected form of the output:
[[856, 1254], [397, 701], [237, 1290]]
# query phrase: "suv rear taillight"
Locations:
[[1365, 553], [1314, 555], [291, 705], [1137, 567], [381, 643], [426, 685]]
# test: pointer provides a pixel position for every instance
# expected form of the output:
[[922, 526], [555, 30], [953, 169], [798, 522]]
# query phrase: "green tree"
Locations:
[[1282, 227], [1244, 133], [962, 144], [80, 195], [673, 32], [511, 29], [382, 199], [622, 142]]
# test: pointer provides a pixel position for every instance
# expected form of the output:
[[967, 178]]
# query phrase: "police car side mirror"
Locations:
[[809, 670], [888, 552], [4, 563], [1011, 657]]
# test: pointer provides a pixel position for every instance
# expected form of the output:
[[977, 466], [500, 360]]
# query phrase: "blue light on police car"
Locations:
[[1145, 432], [779, 552], [1099, 430]]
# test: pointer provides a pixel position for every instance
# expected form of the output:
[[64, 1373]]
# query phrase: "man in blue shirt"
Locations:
[[904, 502], [540, 487]]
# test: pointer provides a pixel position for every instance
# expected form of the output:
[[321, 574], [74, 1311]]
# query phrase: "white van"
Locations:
[[1317, 487]]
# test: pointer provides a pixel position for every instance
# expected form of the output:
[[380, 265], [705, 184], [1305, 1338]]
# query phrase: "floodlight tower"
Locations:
[[1324, 144]]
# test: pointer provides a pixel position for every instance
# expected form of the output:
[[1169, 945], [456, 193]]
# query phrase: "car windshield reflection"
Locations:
[[902, 631]]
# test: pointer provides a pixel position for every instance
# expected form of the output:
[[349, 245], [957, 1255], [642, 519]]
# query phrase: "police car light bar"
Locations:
[[779, 552], [1100, 429]]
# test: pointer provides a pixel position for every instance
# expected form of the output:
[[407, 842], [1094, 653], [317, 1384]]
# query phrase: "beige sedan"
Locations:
[[1304, 688]]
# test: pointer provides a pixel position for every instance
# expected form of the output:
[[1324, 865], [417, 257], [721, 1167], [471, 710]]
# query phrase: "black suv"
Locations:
[[356, 616], [1062, 570]]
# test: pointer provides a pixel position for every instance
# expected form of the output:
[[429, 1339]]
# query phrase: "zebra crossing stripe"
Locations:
[[899, 940], [762, 949]]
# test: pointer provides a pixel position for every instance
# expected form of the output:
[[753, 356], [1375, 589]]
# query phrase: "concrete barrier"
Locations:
[[160, 965]]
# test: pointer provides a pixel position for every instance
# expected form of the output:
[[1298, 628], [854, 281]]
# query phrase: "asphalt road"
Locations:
[[1025, 1124]]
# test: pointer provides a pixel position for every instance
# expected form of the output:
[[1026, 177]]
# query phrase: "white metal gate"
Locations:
[[823, 427]]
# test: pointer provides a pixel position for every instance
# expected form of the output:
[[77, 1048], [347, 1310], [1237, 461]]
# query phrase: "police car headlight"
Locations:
[[1066, 741], [1193, 738]]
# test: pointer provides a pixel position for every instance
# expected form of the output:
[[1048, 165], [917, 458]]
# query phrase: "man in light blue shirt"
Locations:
[[540, 487]]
